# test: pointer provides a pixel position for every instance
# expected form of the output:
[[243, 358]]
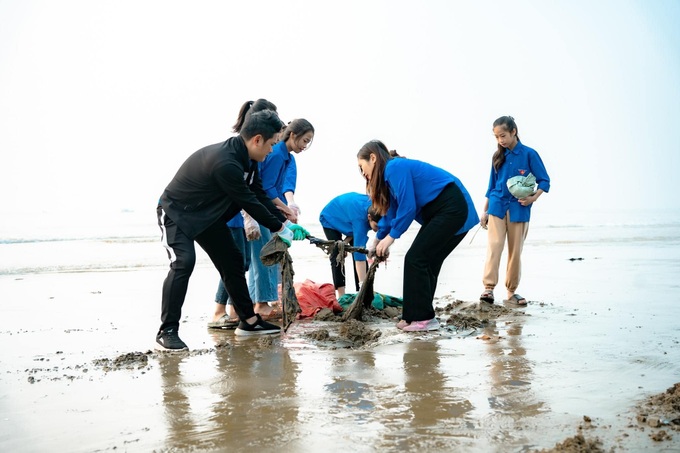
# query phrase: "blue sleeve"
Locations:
[[269, 169], [538, 170], [360, 229], [401, 186], [290, 180], [492, 181], [384, 225]]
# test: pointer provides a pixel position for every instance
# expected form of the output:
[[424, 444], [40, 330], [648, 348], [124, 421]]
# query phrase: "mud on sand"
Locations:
[[656, 418], [659, 415]]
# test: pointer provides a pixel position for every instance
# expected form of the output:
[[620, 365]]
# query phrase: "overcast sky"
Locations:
[[101, 101]]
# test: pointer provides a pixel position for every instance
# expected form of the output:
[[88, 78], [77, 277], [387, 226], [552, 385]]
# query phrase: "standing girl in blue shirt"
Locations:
[[263, 280], [506, 216], [403, 190], [349, 215]]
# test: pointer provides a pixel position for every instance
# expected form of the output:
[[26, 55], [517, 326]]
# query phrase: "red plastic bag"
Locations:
[[312, 297]]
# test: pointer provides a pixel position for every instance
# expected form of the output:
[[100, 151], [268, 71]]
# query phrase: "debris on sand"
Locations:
[[351, 333], [464, 315], [661, 411], [464, 322], [319, 335], [127, 361], [265, 341], [358, 333], [326, 314], [576, 444]]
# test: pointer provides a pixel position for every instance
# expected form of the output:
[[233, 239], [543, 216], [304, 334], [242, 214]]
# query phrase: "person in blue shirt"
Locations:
[[403, 190], [263, 280], [505, 216], [289, 185], [349, 215]]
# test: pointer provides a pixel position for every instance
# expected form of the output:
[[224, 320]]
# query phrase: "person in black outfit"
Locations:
[[210, 187]]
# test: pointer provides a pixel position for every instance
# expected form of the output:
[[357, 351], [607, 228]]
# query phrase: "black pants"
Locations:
[[442, 218], [219, 244], [336, 268]]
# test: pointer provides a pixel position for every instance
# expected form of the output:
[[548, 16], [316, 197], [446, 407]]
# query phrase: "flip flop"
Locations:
[[517, 300], [487, 296], [225, 322]]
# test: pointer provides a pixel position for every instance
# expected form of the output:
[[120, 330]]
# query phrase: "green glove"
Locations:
[[299, 233]]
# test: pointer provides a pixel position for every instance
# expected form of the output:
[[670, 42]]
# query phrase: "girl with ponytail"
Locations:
[[506, 216]]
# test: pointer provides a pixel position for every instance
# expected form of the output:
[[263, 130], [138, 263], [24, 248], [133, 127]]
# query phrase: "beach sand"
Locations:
[[599, 338]]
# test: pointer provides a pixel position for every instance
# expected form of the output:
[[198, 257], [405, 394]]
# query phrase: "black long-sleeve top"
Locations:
[[215, 183]]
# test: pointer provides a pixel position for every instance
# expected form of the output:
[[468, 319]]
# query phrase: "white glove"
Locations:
[[295, 208], [371, 247], [252, 228], [286, 235]]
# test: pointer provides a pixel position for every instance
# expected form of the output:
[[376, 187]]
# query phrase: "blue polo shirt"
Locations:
[[413, 184], [273, 170], [348, 214], [236, 221], [519, 162]]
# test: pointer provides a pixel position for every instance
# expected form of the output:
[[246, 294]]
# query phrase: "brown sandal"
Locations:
[[487, 296], [225, 322]]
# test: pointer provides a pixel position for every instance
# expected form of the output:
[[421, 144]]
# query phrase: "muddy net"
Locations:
[[365, 296], [276, 252]]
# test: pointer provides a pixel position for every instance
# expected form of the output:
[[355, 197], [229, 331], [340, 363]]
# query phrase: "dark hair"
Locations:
[[299, 127], [265, 123], [376, 187], [249, 108], [508, 122], [374, 215]]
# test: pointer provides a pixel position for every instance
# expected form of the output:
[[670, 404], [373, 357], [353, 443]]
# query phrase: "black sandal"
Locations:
[[517, 300]]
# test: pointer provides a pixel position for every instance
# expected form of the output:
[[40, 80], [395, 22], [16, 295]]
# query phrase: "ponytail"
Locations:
[[249, 108]]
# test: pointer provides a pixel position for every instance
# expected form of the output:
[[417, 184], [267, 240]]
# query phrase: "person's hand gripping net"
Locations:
[[292, 232], [299, 233], [380, 249]]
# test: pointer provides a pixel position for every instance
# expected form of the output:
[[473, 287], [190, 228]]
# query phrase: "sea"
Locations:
[[38, 242]]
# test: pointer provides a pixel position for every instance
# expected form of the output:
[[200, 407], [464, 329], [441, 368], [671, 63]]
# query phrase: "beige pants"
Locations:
[[516, 233]]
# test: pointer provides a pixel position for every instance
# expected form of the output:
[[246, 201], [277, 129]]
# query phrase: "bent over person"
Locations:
[[210, 187]]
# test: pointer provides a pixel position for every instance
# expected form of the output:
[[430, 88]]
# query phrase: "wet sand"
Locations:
[[600, 339]]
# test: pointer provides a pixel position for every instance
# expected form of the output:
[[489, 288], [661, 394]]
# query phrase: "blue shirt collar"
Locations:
[[283, 149], [518, 146]]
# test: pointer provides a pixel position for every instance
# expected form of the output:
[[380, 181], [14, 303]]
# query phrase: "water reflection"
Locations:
[[180, 421], [351, 388], [243, 394], [510, 373], [437, 409], [428, 396], [420, 394], [257, 404]]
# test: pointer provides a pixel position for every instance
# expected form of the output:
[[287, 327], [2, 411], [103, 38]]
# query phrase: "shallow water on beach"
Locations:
[[600, 334]]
